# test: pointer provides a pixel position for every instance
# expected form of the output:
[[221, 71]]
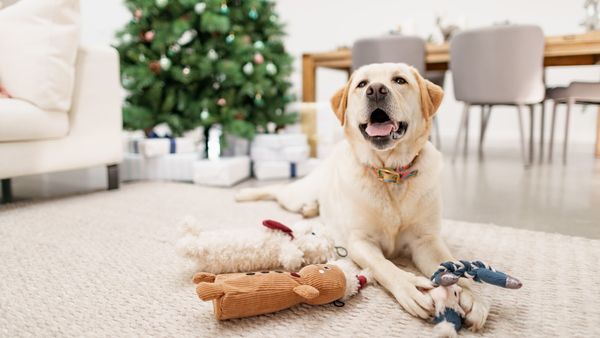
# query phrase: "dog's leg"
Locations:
[[300, 196], [403, 285], [428, 251]]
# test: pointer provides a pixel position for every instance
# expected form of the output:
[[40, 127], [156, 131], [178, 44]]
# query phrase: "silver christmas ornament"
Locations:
[[212, 55], [126, 38], [259, 44], [161, 3], [165, 63], [186, 71], [187, 37], [271, 68], [199, 8], [248, 68], [204, 114], [216, 85]]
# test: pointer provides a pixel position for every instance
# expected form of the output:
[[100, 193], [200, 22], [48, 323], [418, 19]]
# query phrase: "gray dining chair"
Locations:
[[500, 65], [576, 92], [397, 48]]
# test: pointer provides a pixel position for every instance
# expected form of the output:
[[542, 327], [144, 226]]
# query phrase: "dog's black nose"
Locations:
[[377, 91]]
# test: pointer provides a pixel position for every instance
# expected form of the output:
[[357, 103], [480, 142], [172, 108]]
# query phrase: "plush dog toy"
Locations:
[[254, 248], [448, 313], [241, 295]]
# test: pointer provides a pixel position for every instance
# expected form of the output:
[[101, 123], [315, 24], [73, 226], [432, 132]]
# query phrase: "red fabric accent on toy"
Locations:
[[271, 224], [362, 280]]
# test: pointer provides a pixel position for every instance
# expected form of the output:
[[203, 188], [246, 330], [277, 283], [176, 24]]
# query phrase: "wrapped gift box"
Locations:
[[288, 154], [171, 167], [277, 141], [152, 147], [271, 170], [280, 147], [222, 172]]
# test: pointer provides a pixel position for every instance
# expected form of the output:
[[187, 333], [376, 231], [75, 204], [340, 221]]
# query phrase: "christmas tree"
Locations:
[[192, 63]]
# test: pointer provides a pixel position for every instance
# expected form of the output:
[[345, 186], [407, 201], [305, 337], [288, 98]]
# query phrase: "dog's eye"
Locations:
[[362, 84], [326, 268], [313, 234], [399, 80]]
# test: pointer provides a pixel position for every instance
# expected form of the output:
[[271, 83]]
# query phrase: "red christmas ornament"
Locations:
[[155, 67], [221, 102], [259, 58]]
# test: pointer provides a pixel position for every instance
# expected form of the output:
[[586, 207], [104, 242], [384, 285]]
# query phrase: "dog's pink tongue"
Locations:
[[380, 129]]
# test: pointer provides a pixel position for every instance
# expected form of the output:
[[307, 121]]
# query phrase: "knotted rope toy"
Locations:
[[448, 313]]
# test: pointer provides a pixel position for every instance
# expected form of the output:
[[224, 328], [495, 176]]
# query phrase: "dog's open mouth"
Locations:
[[380, 126]]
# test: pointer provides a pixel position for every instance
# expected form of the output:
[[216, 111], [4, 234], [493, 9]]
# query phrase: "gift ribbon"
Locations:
[[172, 143], [292, 170]]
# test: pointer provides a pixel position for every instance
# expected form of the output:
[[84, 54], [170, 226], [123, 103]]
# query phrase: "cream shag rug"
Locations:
[[103, 264]]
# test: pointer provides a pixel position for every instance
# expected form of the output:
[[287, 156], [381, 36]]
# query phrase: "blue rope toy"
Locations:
[[449, 273]]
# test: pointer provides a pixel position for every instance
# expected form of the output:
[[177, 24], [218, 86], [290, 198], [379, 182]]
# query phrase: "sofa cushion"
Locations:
[[22, 121], [38, 44]]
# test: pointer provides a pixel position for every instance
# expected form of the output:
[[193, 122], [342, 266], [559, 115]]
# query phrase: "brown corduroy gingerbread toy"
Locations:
[[240, 295]]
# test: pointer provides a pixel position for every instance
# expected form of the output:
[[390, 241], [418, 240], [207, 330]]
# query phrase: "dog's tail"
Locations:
[[268, 193], [187, 245]]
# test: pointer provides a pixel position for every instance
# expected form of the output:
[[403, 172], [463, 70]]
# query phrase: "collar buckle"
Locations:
[[388, 176]]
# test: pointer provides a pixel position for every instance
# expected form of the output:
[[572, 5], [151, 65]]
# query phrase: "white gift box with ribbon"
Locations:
[[171, 167], [280, 147], [222, 172], [272, 170]]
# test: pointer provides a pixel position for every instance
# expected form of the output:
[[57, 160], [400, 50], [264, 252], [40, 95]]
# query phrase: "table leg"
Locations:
[[598, 133], [309, 74]]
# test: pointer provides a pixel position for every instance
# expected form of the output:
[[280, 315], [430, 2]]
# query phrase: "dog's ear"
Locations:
[[431, 95], [339, 102]]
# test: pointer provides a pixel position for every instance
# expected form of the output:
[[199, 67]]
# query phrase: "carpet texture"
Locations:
[[103, 264]]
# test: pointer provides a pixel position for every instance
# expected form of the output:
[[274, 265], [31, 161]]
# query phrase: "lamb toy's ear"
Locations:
[[271, 224]]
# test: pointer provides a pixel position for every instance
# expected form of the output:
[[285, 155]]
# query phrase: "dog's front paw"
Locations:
[[412, 299], [310, 210], [476, 308]]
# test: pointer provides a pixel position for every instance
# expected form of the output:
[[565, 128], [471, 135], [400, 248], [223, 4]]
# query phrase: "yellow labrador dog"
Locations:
[[379, 191]]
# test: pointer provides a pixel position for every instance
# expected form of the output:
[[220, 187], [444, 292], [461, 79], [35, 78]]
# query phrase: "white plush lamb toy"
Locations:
[[256, 248]]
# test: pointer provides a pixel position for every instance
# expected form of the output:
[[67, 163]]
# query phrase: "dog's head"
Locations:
[[386, 105]]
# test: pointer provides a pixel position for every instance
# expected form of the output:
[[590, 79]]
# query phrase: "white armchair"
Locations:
[[33, 141]]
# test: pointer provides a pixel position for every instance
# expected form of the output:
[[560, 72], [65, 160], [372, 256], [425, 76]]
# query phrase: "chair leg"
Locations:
[[485, 119], [466, 138], [481, 123], [522, 134], [570, 104], [531, 127], [113, 176], [552, 123], [438, 139], [461, 126], [542, 131], [7, 196]]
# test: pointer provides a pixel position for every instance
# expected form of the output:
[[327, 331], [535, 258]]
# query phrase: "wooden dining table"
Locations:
[[564, 50]]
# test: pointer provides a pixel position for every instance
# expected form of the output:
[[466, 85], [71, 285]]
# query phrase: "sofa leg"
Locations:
[[113, 176], [7, 196]]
